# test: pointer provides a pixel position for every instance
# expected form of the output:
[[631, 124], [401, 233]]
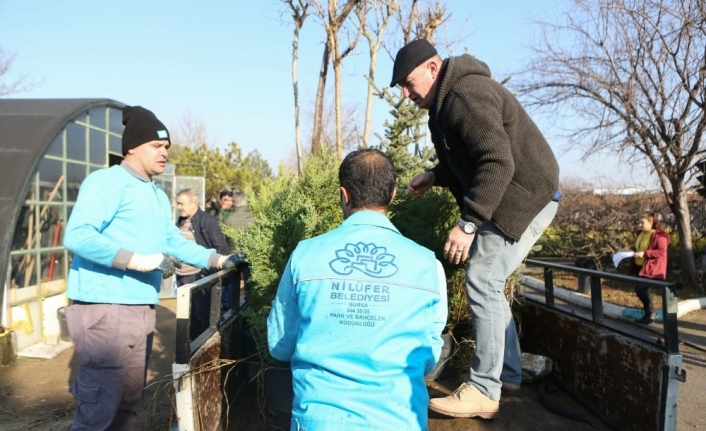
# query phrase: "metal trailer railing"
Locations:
[[670, 363], [201, 395], [199, 383]]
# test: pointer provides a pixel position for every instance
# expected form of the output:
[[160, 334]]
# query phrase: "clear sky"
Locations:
[[228, 62]]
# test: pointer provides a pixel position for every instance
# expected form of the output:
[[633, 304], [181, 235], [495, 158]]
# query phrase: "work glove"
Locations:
[[163, 263], [231, 261]]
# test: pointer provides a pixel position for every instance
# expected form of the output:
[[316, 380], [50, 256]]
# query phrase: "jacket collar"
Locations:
[[374, 218], [444, 78], [193, 217], [134, 172]]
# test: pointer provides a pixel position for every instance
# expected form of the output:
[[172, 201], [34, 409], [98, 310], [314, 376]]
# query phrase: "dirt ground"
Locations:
[[34, 393]]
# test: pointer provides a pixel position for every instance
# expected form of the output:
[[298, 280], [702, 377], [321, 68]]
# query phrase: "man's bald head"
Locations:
[[370, 179]]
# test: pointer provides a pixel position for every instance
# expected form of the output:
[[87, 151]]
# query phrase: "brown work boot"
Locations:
[[466, 402]]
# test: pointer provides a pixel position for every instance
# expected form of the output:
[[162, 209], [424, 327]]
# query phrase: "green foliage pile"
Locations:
[[427, 221], [290, 209], [286, 211]]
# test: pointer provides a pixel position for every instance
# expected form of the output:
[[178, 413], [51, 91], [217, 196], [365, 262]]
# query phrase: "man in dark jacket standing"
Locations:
[[197, 225], [505, 178], [232, 211]]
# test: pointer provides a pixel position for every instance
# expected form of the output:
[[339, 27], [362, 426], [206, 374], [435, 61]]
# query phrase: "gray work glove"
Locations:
[[232, 261], [164, 263]]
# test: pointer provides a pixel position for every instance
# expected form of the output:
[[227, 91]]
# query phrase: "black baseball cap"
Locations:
[[409, 57]]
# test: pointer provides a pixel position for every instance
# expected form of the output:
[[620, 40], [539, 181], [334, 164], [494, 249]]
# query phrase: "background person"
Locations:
[[121, 233], [197, 225], [505, 179], [225, 200], [359, 313], [233, 212], [650, 261]]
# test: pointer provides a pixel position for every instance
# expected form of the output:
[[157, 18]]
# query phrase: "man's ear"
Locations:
[[434, 68], [394, 193], [345, 196]]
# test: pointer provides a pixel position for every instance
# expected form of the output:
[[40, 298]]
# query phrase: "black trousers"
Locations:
[[643, 293]]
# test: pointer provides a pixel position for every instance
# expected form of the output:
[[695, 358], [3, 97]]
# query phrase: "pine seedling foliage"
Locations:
[[402, 139], [286, 211]]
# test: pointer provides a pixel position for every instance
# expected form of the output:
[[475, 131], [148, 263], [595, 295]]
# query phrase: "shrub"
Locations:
[[286, 210], [290, 209], [427, 221]]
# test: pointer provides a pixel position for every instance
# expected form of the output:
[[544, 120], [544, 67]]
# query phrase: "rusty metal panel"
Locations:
[[620, 375], [207, 384], [231, 349], [230, 337]]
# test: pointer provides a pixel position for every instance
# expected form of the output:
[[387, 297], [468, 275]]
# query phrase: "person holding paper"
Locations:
[[649, 261]]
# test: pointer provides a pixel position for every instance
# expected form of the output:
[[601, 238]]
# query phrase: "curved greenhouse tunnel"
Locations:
[[47, 148]]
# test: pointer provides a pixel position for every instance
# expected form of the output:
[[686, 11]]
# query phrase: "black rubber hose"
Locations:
[[576, 395], [548, 385]]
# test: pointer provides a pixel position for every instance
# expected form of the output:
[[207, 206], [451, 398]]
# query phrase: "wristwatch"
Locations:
[[468, 226]]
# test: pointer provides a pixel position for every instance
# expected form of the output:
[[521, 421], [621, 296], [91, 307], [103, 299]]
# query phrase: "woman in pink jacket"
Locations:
[[650, 261]]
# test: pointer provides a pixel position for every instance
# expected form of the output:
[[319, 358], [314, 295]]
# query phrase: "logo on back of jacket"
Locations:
[[368, 259]]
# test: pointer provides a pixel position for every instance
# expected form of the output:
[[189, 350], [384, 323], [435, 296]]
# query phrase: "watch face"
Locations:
[[467, 226]]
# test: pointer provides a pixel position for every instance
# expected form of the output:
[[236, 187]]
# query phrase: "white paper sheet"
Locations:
[[617, 257]]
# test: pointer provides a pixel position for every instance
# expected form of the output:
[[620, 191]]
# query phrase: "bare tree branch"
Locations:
[[373, 19], [190, 131], [630, 76], [8, 85], [332, 17]]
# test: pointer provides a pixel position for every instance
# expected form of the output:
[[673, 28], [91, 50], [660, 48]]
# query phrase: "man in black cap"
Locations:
[[123, 238], [505, 179]]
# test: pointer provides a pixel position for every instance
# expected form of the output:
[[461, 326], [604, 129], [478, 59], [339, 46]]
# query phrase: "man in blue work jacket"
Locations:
[[359, 313], [124, 242]]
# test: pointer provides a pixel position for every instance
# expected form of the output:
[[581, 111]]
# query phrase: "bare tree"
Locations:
[[299, 12], [319, 103], [407, 17], [333, 18], [7, 85], [190, 131], [596, 224], [418, 20], [350, 132], [373, 19], [633, 71]]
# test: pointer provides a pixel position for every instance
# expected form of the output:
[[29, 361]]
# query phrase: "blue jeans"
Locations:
[[493, 258]]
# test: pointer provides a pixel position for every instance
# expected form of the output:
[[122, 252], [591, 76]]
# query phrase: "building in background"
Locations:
[[47, 148]]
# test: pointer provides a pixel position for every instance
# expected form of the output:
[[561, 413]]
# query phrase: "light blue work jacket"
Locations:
[[120, 212], [359, 313]]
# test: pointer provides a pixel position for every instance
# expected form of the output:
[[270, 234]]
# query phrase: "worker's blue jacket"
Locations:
[[120, 212], [359, 313]]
